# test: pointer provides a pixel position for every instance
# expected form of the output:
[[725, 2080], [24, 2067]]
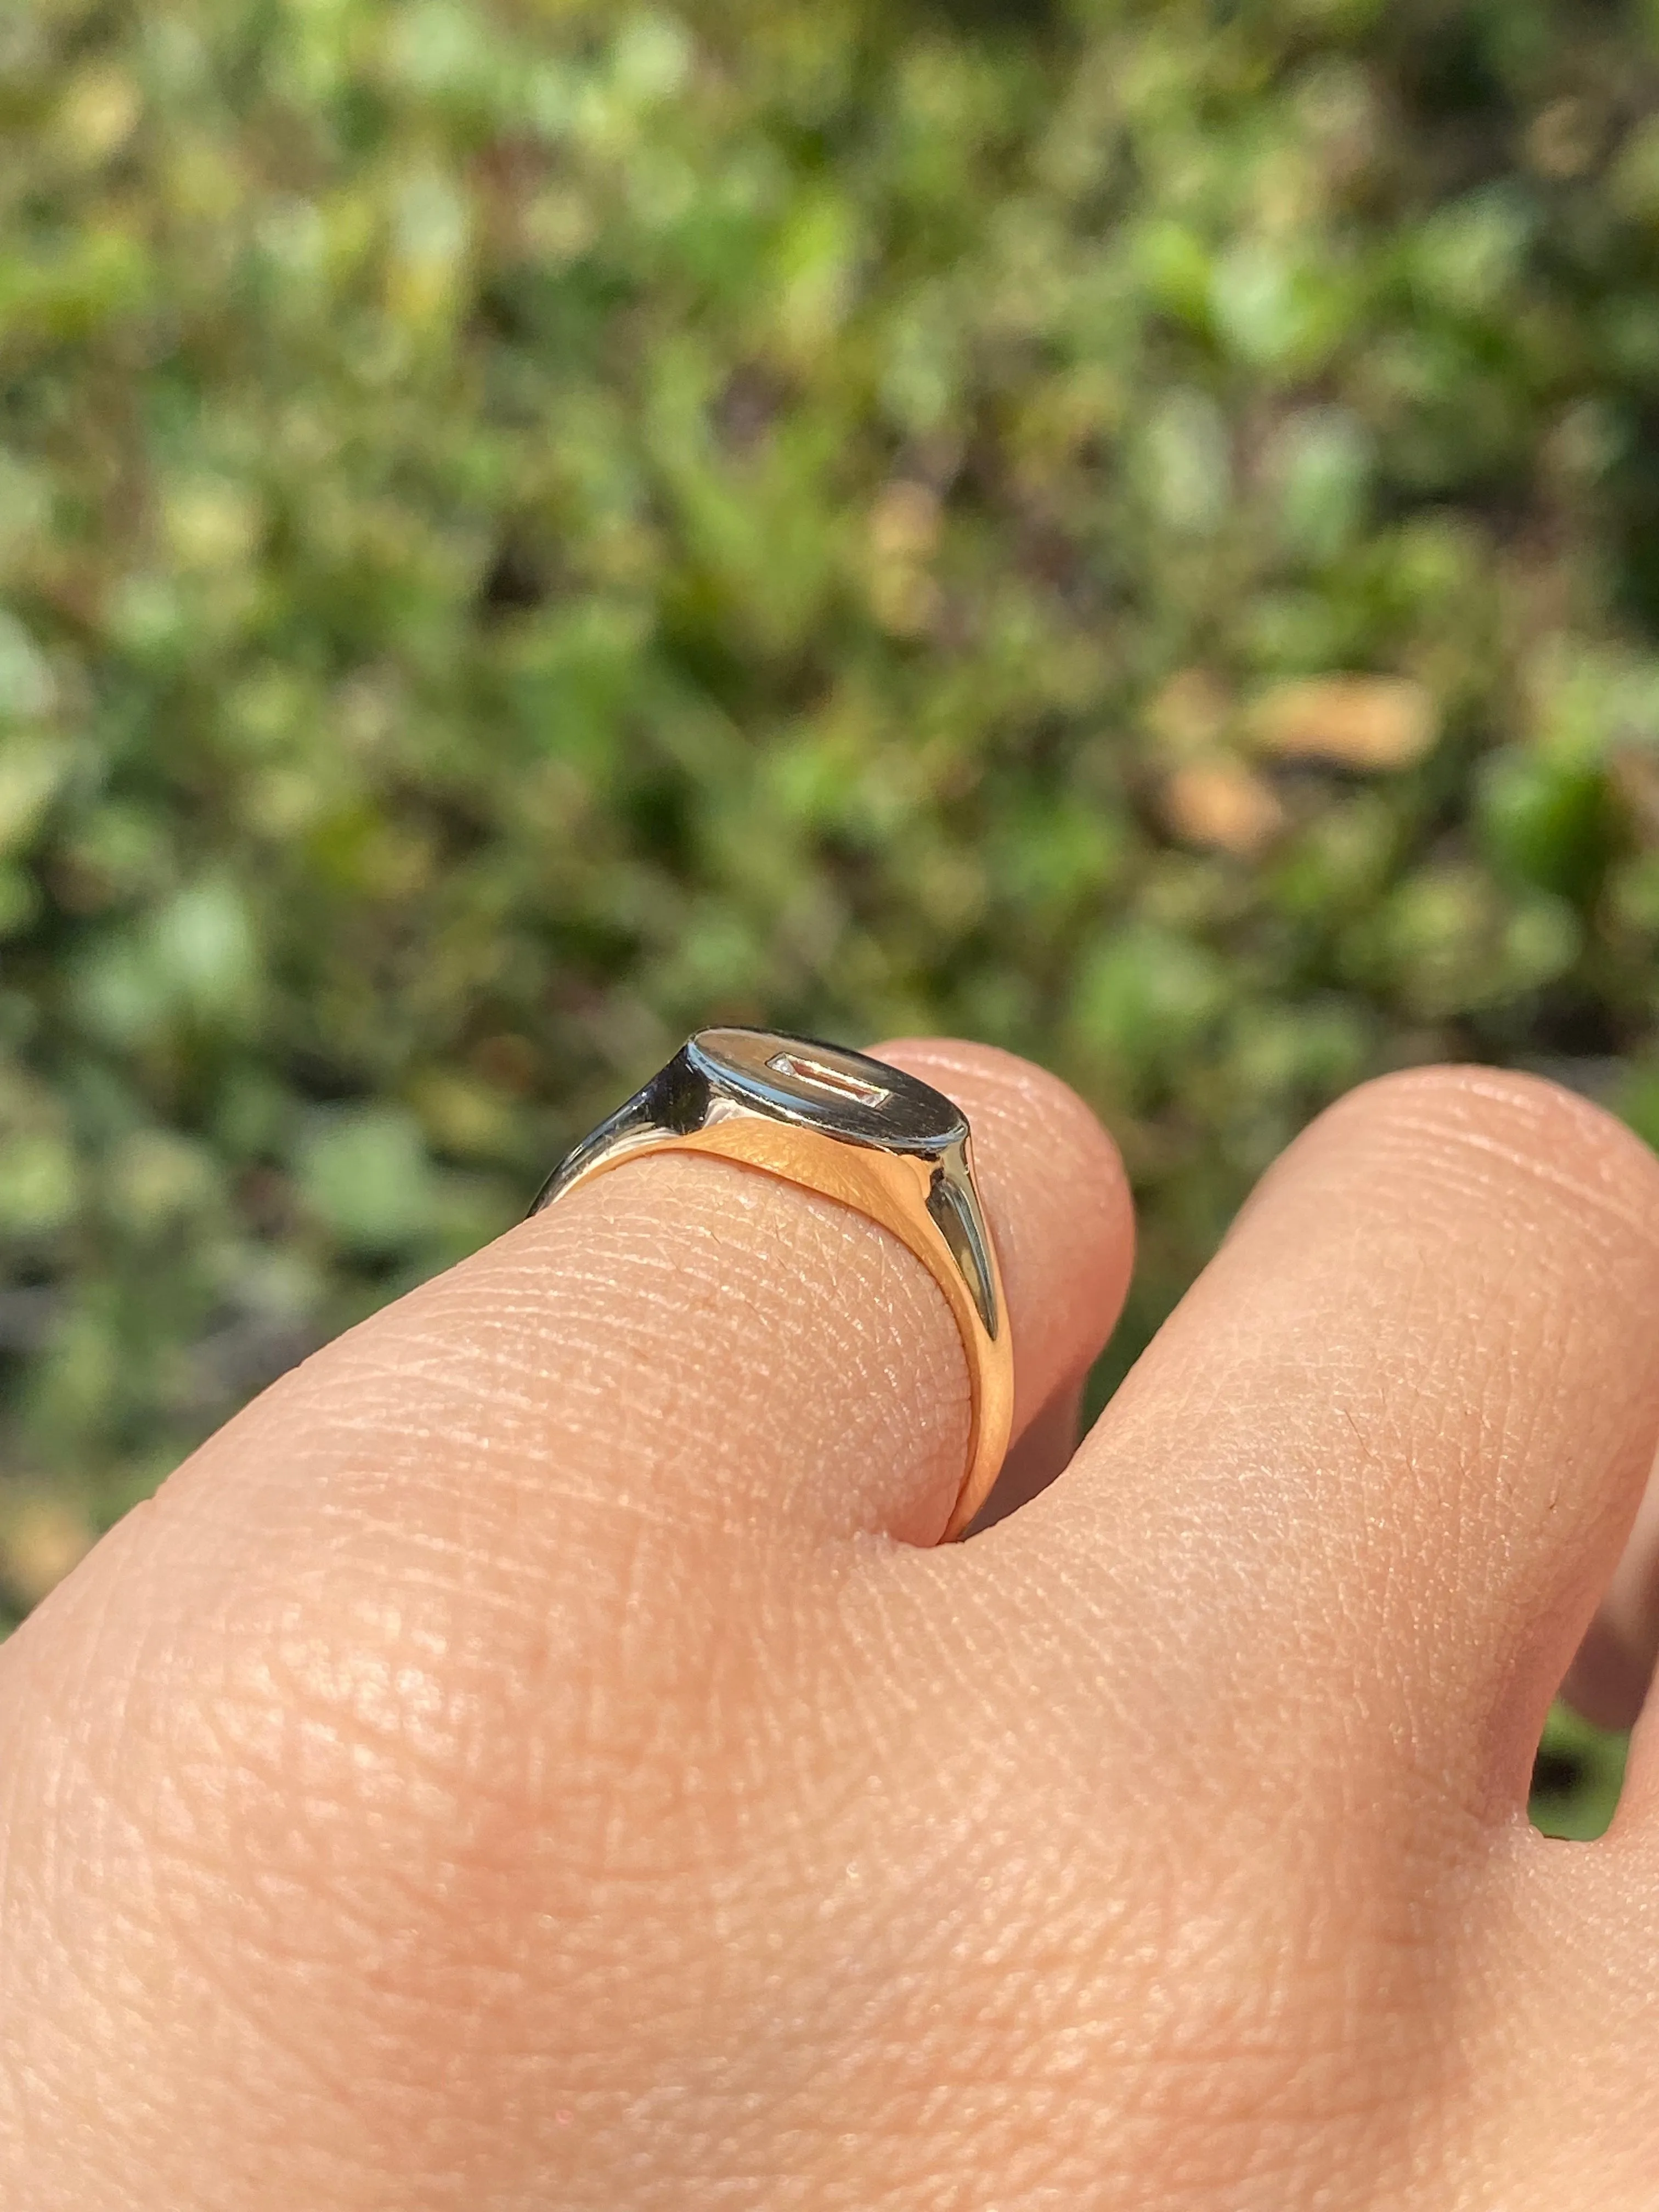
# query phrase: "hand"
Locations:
[[525, 1763]]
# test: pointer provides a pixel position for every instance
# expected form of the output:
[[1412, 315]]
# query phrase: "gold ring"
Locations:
[[853, 1129]]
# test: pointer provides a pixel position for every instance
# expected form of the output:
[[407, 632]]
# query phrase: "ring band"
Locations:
[[853, 1129]]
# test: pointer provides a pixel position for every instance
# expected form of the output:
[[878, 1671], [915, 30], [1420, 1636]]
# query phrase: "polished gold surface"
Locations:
[[854, 1130]]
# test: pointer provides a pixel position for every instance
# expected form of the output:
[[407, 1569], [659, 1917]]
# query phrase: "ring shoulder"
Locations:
[[674, 1103]]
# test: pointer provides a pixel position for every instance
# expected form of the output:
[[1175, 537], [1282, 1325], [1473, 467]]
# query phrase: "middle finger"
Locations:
[[1378, 1465]]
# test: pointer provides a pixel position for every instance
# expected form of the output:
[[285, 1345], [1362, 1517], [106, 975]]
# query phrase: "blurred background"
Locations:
[[526, 526]]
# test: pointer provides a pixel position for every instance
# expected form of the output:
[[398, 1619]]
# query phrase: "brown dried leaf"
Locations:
[[1375, 722], [1223, 805]]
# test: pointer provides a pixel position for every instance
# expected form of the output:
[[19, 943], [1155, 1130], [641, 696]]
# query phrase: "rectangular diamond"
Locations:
[[814, 1073]]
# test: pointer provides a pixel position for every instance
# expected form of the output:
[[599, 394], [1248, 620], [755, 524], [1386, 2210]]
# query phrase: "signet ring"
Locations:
[[854, 1130]]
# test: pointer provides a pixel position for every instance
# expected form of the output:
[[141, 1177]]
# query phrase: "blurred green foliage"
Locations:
[[527, 525]]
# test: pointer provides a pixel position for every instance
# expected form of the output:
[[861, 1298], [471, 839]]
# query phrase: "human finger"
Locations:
[[1380, 1464], [375, 1773]]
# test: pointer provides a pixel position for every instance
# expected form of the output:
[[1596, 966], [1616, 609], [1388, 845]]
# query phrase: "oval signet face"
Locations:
[[829, 1088]]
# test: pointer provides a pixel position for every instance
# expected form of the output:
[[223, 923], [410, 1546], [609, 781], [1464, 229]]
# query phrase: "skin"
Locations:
[[532, 1758]]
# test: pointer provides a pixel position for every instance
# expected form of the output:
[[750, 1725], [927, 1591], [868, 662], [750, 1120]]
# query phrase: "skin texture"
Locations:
[[532, 1758]]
